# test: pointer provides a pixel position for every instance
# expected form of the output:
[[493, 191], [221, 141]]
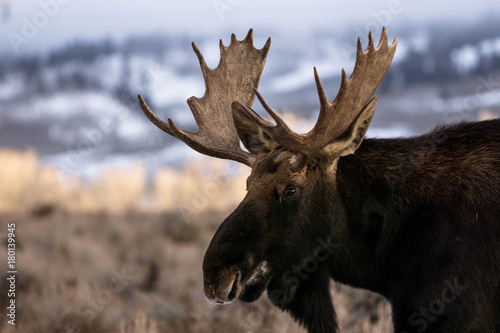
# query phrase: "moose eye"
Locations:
[[290, 191]]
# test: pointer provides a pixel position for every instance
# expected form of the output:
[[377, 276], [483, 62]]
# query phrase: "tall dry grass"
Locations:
[[206, 184], [18, 174], [29, 186]]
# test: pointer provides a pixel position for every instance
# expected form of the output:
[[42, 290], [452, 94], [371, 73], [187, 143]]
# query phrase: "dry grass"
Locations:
[[119, 255], [141, 324], [202, 185], [17, 174], [29, 186]]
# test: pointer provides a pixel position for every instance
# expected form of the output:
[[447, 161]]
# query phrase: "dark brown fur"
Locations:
[[414, 219]]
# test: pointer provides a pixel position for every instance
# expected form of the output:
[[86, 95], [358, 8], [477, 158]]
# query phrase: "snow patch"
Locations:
[[466, 58]]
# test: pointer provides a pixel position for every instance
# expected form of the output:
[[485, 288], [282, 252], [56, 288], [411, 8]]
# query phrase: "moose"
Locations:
[[416, 219]]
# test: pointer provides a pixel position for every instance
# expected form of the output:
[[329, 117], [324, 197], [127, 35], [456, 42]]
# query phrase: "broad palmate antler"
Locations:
[[234, 79], [336, 117]]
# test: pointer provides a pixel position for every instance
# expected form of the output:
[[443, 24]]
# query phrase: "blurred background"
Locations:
[[113, 216]]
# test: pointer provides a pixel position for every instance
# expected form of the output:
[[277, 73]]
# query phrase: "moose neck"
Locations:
[[369, 184]]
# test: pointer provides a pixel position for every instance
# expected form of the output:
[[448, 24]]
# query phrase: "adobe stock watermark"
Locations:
[[436, 307], [31, 26], [218, 181], [221, 7], [381, 17], [290, 282], [291, 279], [461, 108], [91, 138], [426, 146]]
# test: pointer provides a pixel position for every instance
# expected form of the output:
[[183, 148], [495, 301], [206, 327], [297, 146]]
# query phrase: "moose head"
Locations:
[[319, 205], [292, 210]]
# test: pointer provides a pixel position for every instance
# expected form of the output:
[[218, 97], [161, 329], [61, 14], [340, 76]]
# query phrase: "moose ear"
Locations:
[[252, 136], [351, 139]]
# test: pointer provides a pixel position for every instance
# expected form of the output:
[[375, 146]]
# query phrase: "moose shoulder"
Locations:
[[414, 219]]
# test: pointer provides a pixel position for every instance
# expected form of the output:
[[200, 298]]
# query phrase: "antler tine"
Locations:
[[281, 132], [323, 100], [249, 36], [383, 38], [203, 65], [279, 121], [152, 117], [370, 67], [371, 45], [234, 79]]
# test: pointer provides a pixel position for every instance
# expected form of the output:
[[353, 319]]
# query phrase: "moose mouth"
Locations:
[[236, 286], [256, 284]]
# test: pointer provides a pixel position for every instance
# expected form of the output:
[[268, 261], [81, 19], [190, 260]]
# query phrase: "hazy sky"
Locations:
[[38, 24]]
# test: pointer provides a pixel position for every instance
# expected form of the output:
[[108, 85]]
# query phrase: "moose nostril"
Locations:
[[224, 287]]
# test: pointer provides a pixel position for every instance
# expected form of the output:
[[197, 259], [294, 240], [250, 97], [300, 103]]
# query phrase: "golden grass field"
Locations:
[[123, 254]]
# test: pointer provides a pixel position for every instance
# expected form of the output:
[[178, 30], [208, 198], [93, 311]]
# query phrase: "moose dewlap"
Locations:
[[414, 219]]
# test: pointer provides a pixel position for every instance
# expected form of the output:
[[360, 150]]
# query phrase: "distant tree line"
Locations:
[[434, 64]]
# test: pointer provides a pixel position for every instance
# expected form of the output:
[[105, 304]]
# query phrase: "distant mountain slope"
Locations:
[[77, 105]]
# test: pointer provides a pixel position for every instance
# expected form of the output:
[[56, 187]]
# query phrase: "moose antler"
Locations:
[[234, 79], [335, 118]]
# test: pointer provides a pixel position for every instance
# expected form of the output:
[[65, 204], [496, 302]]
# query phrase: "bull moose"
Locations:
[[416, 219]]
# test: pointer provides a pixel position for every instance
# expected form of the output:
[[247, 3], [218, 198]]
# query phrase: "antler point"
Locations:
[[316, 75], [323, 100], [201, 60], [343, 80], [359, 49], [271, 111], [250, 35], [266, 46], [383, 39], [370, 41], [173, 127]]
